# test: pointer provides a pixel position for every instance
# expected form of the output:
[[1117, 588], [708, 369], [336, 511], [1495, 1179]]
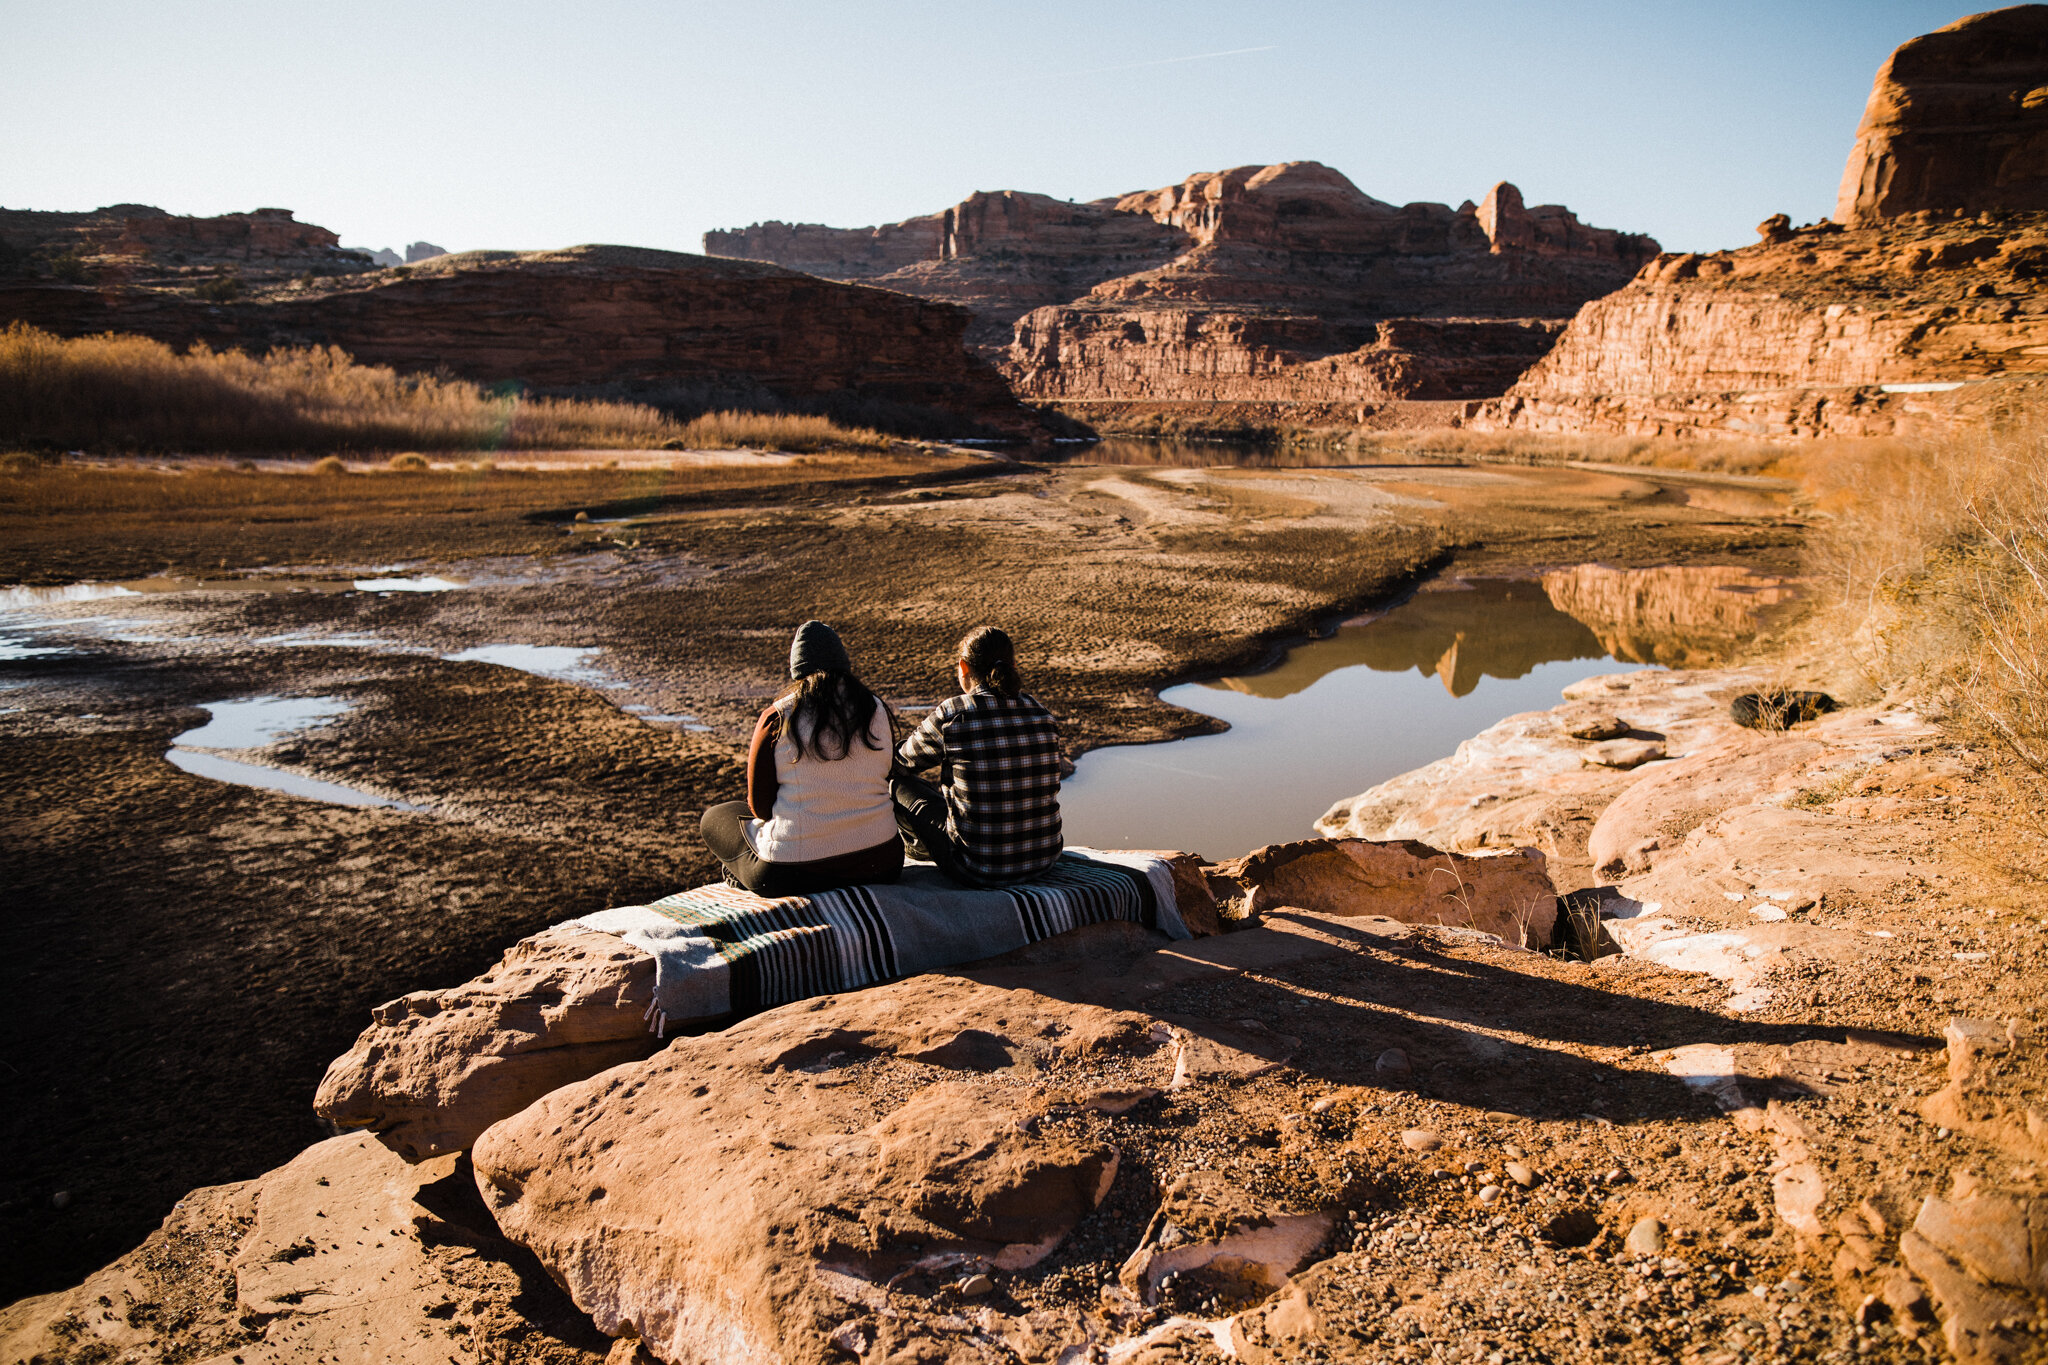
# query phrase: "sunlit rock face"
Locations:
[[1281, 283], [1921, 308], [1957, 122]]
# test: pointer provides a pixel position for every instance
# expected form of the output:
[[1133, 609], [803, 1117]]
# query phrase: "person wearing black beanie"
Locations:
[[818, 814]]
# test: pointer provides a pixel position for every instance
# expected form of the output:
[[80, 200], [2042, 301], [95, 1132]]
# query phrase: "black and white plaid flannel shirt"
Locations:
[[999, 762]]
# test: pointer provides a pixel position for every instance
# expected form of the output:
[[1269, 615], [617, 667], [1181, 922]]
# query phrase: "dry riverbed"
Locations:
[[192, 953]]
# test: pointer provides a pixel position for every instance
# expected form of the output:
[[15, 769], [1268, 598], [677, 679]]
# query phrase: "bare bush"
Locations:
[[1935, 552]]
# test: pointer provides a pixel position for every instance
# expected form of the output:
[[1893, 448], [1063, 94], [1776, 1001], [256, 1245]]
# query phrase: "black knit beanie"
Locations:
[[816, 649]]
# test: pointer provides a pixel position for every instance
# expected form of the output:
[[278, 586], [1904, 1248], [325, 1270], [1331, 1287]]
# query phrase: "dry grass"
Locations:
[[773, 431], [115, 392], [1936, 552]]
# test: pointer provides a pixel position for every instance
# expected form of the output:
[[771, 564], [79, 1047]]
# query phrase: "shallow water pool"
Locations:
[[1390, 693], [253, 722]]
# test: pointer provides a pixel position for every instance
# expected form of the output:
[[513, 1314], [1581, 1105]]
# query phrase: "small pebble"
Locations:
[[1522, 1175], [1489, 1194], [1323, 1105], [1421, 1140], [1646, 1238], [974, 1286], [61, 1199], [1393, 1062], [1474, 1167], [1616, 1176]]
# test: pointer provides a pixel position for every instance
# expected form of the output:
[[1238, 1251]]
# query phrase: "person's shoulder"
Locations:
[[1034, 704]]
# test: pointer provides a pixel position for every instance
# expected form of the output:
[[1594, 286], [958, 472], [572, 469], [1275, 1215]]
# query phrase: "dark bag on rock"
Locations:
[[1780, 709]]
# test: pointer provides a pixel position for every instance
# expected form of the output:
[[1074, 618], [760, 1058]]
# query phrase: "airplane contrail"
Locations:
[[1133, 66]]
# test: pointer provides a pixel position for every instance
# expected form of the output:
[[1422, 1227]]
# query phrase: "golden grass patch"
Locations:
[[114, 392]]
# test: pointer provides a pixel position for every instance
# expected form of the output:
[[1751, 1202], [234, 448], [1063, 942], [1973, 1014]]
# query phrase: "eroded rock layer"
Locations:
[[1818, 331], [655, 325], [1274, 284], [1925, 310], [1957, 120]]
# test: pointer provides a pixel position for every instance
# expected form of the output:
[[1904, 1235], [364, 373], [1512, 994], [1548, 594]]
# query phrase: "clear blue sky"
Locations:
[[516, 124]]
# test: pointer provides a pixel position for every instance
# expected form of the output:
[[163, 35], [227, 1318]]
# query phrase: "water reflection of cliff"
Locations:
[[1497, 628], [1681, 617], [1503, 628]]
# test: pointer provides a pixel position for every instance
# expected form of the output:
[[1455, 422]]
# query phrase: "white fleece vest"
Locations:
[[825, 809]]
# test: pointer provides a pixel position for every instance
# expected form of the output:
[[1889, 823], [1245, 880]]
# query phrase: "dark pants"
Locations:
[[921, 817], [724, 830]]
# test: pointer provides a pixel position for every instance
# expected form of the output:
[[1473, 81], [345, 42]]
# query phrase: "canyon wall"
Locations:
[[1924, 309], [1957, 120], [657, 326], [999, 255], [1274, 285]]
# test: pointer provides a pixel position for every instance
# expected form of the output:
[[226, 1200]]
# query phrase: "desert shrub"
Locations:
[[22, 461], [222, 288], [1935, 554], [410, 462], [71, 268], [796, 432], [329, 464]]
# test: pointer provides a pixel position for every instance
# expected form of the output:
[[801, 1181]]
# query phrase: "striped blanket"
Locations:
[[720, 952]]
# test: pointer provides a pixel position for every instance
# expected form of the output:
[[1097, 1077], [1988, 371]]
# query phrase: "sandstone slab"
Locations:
[[345, 1253], [1523, 783], [1209, 1228], [436, 1068], [694, 1200], [1509, 896]]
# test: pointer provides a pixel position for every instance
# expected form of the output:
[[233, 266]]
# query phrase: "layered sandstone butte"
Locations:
[[1958, 120], [138, 243], [999, 255], [663, 327], [1280, 284], [1925, 309]]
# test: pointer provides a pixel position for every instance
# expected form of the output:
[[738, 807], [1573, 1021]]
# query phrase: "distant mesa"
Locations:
[[1922, 308], [384, 256], [124, 242], [685, 332], [1264, 284]]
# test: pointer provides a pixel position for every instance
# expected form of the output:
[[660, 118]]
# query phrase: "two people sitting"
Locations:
[[831, 804]]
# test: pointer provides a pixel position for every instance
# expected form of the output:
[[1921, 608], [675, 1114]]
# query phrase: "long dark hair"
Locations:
[[991, 660], [838, 707]]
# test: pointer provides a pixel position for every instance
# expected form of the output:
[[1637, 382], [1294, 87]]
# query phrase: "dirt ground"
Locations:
[[190, 954]]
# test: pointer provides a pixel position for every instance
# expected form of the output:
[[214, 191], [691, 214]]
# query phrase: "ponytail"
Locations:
[[991, 660]]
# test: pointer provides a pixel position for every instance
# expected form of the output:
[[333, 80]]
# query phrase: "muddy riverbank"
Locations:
[[192, 953]]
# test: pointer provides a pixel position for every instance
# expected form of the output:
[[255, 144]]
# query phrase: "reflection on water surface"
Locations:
[[1460, 633], [1390, 693], [1169, 454]]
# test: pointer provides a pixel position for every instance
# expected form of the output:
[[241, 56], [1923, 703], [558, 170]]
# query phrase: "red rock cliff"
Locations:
[[1957, 120], [1268, 284], [1928, 310], [654, 325]]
